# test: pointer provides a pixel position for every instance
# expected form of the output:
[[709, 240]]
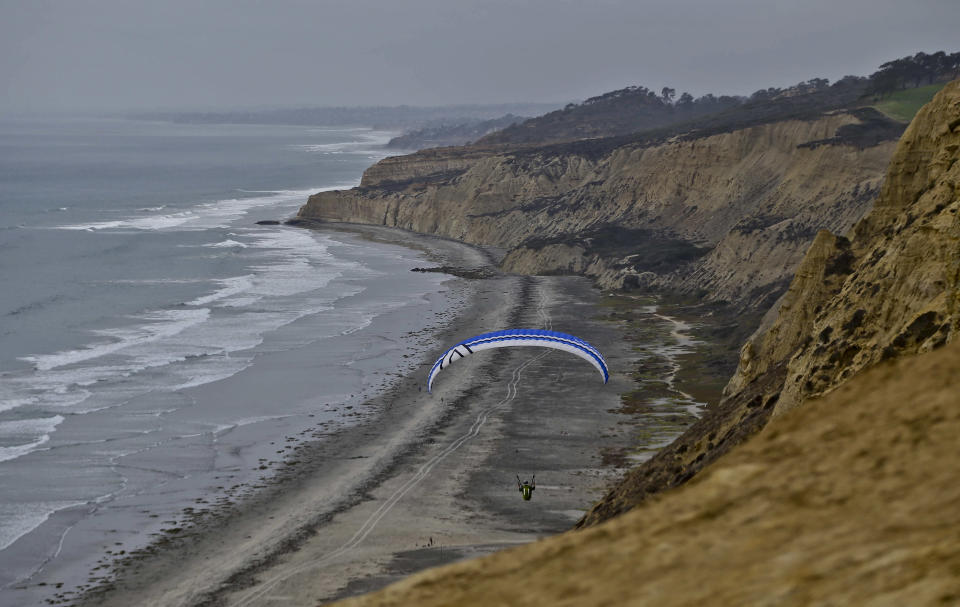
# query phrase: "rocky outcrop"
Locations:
[[395, 173], [750, 200], [889, 289]]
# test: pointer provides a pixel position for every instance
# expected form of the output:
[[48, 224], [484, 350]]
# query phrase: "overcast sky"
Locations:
[[119, 54]]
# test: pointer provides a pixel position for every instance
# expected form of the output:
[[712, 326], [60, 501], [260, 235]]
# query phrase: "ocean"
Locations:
[[157, 346]]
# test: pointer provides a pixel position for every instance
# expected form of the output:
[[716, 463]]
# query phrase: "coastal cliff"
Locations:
[[738, 207], [888, 289], [849, 494]]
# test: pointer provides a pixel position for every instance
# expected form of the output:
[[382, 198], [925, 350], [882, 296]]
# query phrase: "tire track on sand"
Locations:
[[370, 524]]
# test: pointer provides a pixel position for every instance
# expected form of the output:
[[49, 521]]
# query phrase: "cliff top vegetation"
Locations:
[[904, 105], [637, 113]]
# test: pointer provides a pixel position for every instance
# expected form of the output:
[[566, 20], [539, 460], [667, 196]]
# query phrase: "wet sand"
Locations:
[[427, 478]]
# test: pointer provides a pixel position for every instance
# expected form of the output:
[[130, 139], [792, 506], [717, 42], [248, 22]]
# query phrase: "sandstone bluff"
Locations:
[[892, 294], [738, 209]]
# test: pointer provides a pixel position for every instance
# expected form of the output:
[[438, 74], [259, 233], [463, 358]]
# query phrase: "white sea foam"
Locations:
[[226, 244], [297, 262], [197, 344], [200, 375], [370, 145], [337, 129], [161, 324], [239, 302], [246, 421], [19, 519], [100, 225], [215, 214], [231, 286], [363, 149], [34, 431], [363, 325], [11, 399], [22, 427], [159, 281], [9, 453]]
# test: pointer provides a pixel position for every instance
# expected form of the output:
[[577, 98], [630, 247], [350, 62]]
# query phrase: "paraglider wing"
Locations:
[[520, 337]]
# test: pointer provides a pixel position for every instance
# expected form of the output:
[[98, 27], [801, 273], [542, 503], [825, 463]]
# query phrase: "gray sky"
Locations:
[[118, 54]]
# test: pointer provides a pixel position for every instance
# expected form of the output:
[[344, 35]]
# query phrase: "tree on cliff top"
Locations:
[[628, 110], [914, 71]]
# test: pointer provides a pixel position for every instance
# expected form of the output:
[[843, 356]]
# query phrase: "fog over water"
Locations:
[[133, 54]]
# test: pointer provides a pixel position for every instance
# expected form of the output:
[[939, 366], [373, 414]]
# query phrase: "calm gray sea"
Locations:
[[155, 341]]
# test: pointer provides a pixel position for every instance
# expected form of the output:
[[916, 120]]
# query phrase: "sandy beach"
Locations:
[[427, 478]]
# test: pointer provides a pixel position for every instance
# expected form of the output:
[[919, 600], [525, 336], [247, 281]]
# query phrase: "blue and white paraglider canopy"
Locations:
[[520, 337]]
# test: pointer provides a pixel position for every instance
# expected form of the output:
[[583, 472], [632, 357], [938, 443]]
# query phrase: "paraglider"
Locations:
[[526, 488], [520, 337]]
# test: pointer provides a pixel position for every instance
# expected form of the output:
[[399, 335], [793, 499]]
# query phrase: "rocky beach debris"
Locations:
[[461, 272]]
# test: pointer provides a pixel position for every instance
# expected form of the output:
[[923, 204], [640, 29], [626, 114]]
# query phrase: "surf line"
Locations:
[[371, 522]]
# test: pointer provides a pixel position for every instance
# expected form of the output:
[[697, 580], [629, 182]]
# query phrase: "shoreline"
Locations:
[[149, 565], [271, 544]]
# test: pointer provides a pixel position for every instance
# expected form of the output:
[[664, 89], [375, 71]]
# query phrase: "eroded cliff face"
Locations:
[[890, 288], [751, 199]]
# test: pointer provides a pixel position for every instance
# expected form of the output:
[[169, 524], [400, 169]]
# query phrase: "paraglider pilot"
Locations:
[[526, 487]]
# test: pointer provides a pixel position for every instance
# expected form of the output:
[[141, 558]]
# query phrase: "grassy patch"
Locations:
[[904, 105]]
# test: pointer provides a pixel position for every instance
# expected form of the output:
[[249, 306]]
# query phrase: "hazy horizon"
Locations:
[[116, 55]]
